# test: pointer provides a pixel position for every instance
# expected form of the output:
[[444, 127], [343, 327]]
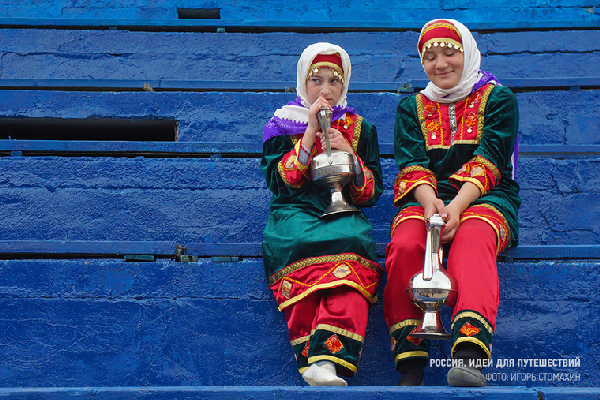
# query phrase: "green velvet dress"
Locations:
[[486, 133], [297, 241]]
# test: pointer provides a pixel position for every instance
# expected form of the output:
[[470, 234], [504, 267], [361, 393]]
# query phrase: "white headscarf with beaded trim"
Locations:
[[470, 73], [300, 114]]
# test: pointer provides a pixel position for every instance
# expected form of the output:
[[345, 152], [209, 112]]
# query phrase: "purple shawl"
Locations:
[[281, 126]]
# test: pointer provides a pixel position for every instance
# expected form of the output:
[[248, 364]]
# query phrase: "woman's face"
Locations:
[[443, 66], [324, 84]]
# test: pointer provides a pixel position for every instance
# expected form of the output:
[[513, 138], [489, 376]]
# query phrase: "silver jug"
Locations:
[[333, 169], [432, 288]]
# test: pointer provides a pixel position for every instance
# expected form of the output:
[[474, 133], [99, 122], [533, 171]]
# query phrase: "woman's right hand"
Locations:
[[313, 123], [428, 199], [435, 206]]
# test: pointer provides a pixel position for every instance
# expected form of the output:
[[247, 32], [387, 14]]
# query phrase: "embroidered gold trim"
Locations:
[[481, 112], [329, 285], [488, 165], [412, 168], [281, 169], [446, 25], [402, 324], [424, 130], [421, 115], [336, 360], [409, 354], [314, 68], [339, 331], [322, 259], [410, 185], [368, 178], [501, 243], [297, 163], [474, 315], [300, 340], [357, 132], [397, 221], [480, 121], [474, 181]]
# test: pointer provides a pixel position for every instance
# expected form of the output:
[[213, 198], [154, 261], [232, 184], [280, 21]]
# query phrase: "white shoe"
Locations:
[[323, 374]]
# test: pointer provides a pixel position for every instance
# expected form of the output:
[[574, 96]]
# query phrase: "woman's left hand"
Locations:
[[452, 223], [336, 140], [467, 194]]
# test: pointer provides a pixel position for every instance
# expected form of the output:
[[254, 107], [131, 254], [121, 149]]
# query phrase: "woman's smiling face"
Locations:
[[443, 66]]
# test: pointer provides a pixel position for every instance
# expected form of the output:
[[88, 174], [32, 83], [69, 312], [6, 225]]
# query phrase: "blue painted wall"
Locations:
[[110, 323], [75, 314]]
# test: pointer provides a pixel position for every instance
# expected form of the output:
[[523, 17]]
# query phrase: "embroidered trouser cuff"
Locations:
[[404, 346]]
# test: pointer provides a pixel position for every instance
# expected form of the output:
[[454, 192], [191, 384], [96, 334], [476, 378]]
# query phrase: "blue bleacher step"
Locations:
[[297, 393]]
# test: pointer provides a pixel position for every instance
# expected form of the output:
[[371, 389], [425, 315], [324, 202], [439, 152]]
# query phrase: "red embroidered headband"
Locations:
[[331, 61], [440, 33]]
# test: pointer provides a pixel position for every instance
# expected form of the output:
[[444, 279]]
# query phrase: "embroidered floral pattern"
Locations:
[[471, 121], [412, 339], [286, 289], [444, 125], [409, 178], [342, 271], [305, 350], [334, 344], [469, 330], [431, 110], [434, 127], [479, 172]]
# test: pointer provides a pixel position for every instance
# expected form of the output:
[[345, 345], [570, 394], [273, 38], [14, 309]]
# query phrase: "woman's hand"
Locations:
[[308, 140], [336, 140], [426, 196], [452, 223], [467, 194]]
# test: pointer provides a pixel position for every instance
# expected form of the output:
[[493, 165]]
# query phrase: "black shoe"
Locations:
[[465, 376], [469, 373], [412, 372], [410, 378]]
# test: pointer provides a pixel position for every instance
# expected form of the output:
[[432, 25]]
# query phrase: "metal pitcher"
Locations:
[[333, 169], [432, 288]]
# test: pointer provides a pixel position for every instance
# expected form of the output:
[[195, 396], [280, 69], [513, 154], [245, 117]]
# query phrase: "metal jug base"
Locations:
[[339, 210], [431, 328], [338, 203], [431, 335]]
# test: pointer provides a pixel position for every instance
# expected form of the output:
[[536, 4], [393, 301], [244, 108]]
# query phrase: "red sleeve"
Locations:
[[362, 194], [409, 178], [293, 173], [478, 171]]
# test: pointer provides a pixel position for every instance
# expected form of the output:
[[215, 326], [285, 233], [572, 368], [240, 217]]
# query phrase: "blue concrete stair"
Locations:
[[96, 305]]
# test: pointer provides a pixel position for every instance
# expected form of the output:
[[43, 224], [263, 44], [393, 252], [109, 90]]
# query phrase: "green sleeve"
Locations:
[[409, 144], [368, 151], [500, 129], [274, 150]]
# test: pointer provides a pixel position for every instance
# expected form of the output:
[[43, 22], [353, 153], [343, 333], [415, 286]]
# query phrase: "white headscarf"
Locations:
[[300, 114], [470, 73]]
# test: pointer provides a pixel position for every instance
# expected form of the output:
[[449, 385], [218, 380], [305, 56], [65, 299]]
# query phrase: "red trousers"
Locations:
[[329, 325], [471, 261]]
